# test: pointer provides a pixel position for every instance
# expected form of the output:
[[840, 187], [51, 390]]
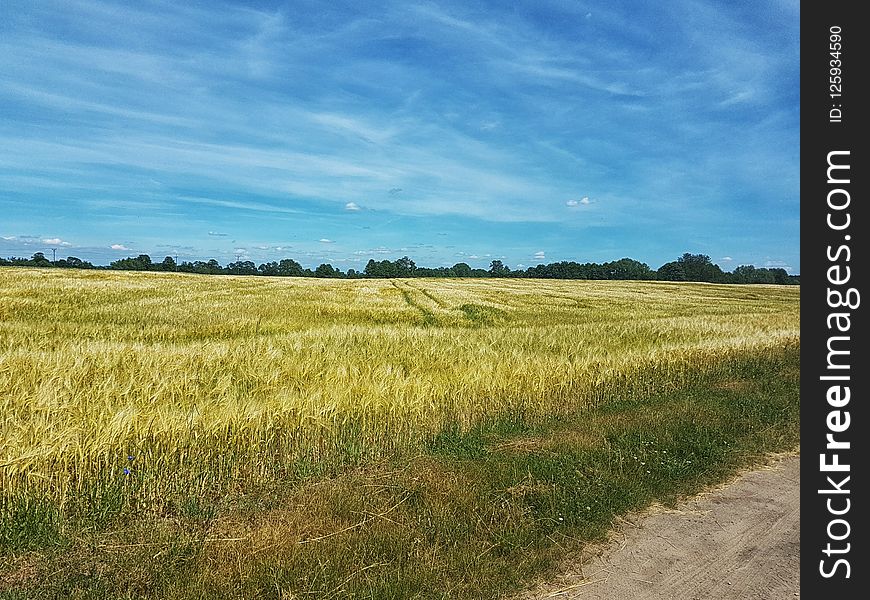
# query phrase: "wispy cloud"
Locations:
[[777, 264], [118, 247], [351, 206]]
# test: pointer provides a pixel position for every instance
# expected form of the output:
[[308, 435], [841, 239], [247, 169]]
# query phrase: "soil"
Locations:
[[740, 541]]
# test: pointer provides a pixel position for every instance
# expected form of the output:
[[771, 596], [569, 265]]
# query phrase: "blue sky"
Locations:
[[445, 131]]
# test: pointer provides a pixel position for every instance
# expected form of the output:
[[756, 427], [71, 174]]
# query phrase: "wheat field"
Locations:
[[184, 379]]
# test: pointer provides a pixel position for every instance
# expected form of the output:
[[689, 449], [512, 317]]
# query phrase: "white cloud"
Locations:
[[217, 234], [539, 255], [325, 241], [9, 238], [119, 247], [351, 206], [726, 259], [473, 256], [55, 242], [584, 201]]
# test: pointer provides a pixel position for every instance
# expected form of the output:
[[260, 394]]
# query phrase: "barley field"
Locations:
[[106, 375]]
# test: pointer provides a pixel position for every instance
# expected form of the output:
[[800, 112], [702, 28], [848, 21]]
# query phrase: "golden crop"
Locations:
[[242, 373]]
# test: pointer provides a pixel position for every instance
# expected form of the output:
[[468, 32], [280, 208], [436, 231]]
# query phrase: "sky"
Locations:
[[468, 131]]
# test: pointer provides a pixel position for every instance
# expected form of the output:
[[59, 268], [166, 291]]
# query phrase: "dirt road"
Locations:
[[738, 542]]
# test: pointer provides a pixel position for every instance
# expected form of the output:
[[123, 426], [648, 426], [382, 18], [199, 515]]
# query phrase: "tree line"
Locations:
[[688, 267]]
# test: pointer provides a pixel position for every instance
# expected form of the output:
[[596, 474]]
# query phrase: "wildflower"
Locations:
[[127, 471], [130, 458]]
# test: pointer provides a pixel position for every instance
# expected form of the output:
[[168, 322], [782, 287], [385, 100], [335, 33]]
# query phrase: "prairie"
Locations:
[[176, 399]]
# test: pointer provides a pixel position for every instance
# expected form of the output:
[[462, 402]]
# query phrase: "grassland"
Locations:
[[181, 436]]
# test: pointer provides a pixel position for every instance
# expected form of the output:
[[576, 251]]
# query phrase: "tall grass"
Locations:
[[168, 382]]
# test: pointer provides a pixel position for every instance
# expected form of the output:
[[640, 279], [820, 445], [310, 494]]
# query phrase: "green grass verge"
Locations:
[[479, 515]]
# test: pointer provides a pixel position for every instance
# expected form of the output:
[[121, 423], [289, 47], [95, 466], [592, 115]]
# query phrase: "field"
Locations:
[[181, 431]]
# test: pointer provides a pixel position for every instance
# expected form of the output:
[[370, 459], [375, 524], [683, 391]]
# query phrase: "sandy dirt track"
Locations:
[[740, 541]]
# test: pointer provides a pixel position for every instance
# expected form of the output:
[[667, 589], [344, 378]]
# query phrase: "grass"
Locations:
[[370, 439]]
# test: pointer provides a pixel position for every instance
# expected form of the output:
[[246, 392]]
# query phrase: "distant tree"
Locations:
[[213, 267], [288, 267], [699, 267], [780, 276], [498, 269], [140, 263], [436, 272], [743, 274], [242, 267], [38, 260], [269, 268], [326, 270], [404, 267], [72, 262], [168, 264], [672, 271], [145, 261], [691, 267], [382, 269], [626, 268], [461, 270]]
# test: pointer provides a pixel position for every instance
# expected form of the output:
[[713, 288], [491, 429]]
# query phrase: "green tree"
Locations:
[[780, 276], [382, 269], [498, 269], [140, 263], [288, 267], [168, 264], [699, 267], [461, 270], [627, 268], [242, 267], [672, 271], [326, 270], [744, 274], [404, 267], [38, 260], [269, 268]]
